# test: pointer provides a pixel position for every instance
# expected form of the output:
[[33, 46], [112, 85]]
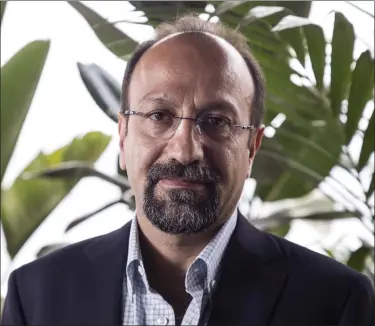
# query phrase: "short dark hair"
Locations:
[[191, 23]]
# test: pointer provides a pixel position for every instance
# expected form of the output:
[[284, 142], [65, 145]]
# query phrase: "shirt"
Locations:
[[144, 306]]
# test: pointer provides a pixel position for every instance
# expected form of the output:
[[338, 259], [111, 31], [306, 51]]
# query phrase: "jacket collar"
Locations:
[[251, 279]]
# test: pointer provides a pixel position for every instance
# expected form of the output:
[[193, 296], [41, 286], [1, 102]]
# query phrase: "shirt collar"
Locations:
[[212, 255], [205, 267]]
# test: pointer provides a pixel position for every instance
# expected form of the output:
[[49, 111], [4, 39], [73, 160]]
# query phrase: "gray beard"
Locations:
[[184, 211]]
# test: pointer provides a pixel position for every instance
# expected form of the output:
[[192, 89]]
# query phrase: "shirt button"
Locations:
[[162, 321]]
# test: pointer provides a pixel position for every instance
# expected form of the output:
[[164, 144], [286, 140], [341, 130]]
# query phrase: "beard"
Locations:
[[182, 211]]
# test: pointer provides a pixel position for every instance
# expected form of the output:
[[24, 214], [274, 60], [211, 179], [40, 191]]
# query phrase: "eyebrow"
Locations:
[[159, 99], [218, 105], [222, 105]]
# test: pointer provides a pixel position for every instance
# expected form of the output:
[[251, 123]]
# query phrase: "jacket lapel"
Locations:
[[101, 294], [251, 280]]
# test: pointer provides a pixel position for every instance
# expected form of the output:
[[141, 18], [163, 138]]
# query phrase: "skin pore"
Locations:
[[188, 73]]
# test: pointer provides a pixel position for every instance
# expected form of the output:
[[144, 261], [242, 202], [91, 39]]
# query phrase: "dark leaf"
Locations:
[[302, 170], [281, 230], [77, 170], [283, 217], [129, 199], [295, 38], [226, 6], [362, 85], [341, 60], [329, 253], [370, 190], [50, 248], [115, 40], [317, 51], [27, 203], [166, 11], [91, 214], [291, 21], [300, 8], [2, 8], [19, 79], [368, 143], [103, 88], [357, 259], [260, 12]]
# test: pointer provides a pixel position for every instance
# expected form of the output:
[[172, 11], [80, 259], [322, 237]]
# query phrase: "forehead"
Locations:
[[192, 67]]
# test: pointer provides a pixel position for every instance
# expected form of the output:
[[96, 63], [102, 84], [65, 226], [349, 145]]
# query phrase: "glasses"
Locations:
[[163, 125]]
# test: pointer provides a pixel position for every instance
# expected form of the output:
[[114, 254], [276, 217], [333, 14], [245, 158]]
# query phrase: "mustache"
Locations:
[[189, 172]]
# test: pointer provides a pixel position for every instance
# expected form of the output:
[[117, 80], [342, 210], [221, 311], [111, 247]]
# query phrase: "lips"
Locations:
[[182, 183]]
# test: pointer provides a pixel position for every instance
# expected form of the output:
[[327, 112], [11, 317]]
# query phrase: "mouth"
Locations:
[[183, 183]]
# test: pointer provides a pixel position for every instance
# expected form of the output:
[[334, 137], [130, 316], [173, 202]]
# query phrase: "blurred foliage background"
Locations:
[[320, 97]]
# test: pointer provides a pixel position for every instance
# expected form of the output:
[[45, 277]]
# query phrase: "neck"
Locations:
[[167, 258], [172, 252]]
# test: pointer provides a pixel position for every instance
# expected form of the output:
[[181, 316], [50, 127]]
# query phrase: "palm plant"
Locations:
[[319, 105], [26, 203]]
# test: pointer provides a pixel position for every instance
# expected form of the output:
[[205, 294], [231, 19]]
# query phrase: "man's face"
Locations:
[[188, 179]]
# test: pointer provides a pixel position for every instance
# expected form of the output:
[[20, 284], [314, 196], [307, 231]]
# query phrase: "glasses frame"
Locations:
[[196, 120]]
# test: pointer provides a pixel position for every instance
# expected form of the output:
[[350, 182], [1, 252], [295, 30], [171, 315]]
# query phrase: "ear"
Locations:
[[122, 135], [254, 145]]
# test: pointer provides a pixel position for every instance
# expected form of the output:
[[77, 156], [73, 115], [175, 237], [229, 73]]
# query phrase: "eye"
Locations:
[[216, 121], [160, 116]]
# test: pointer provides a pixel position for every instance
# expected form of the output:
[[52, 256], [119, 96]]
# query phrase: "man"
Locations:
[[190, 127]]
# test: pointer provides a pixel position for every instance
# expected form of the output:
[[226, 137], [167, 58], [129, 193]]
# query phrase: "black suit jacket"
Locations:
[[266, 280]]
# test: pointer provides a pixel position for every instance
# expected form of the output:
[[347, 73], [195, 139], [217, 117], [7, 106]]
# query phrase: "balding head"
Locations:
[[188, 24]]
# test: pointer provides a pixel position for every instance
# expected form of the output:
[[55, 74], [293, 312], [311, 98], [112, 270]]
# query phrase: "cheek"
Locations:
[[140, 155], [233, 164]]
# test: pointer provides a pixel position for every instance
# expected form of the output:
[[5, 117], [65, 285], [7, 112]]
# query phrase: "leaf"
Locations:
[[329, 253], [2, 10], [283, 217], [103, 88], [300, 8], [362, 85], [159, 12], [281, 230], [370, 190], [357, 259], [368, 143], [1, 305], [50, 248], [260, 12], [304, 165], [27, 203], [226, 6], [341, 60], [291, 21], [295, 38], [115, 40], [74, 169], [293, 29], [259, 33], [317, 51], [19, 80], [84, 218], [290, 30]]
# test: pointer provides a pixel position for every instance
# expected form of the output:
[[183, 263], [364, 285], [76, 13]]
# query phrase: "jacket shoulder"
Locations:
[[299, 259], [73, 255]]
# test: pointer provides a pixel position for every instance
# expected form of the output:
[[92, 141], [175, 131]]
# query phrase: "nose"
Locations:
[[185, 146]]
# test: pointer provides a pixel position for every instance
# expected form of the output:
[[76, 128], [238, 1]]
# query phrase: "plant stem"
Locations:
[[359, 8]]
